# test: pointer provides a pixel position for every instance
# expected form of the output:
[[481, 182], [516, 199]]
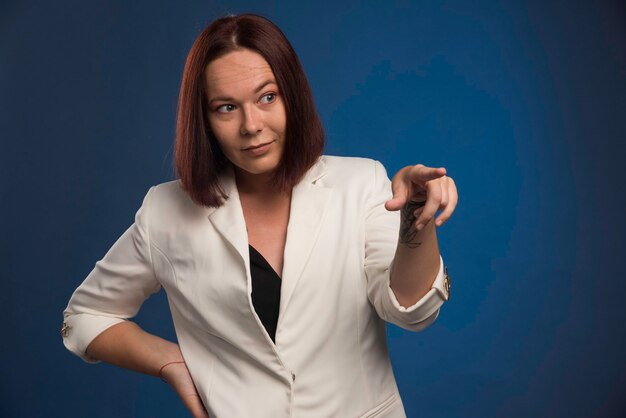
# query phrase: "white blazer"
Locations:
[[330, 358]]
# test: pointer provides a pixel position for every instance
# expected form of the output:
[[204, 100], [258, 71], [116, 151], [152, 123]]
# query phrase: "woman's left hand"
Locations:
[[424, 184]]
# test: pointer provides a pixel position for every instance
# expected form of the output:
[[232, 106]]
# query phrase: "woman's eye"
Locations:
[[225, 108], [268, 98]]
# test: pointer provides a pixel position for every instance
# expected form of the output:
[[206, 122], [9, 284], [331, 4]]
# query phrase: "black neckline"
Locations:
[[265, 263]]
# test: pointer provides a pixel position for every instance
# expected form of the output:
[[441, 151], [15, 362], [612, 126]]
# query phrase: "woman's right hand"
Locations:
[[177, 375]]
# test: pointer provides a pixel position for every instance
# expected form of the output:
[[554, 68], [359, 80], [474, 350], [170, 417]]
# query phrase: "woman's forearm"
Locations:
[[127, 345], [416, 262]]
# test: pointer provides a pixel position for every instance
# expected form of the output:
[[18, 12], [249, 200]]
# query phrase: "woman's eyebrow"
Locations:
[[262, 85], [256, 90]]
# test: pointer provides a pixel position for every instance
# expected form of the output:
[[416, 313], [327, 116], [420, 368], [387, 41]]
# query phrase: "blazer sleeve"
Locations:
[[381, 239], [114, 290]]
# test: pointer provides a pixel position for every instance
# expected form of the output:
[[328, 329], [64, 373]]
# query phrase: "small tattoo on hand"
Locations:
[[408, 233]]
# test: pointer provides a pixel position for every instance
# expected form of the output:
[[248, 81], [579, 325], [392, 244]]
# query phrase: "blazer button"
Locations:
[[293, 376], [446, 282]]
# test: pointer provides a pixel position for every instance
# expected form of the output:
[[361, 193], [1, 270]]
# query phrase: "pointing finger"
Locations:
[[421, 173]]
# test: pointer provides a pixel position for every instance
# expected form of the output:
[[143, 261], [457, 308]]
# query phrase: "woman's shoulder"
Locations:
[[169, 190], [347, 169], [170, 199], [339, 162]]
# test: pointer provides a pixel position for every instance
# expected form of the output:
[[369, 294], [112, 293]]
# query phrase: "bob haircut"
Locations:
[[199, 160]]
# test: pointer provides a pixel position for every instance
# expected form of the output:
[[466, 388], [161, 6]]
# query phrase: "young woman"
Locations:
[[281, 266]]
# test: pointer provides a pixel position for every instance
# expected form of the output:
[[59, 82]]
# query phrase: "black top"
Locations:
[[265, 291]]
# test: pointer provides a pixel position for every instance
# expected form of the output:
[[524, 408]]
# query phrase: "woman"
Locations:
[[280, 266]]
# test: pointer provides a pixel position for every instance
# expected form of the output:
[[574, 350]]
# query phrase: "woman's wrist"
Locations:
[[168, 364], [170, 354]]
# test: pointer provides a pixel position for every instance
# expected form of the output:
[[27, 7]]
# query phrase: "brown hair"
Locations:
[[198, 158]]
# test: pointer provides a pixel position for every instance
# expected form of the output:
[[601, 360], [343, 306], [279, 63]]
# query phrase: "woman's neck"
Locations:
[[261, 185]]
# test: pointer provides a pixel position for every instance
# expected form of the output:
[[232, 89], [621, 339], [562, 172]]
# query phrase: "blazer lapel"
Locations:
[[309, 202], [228, 219]]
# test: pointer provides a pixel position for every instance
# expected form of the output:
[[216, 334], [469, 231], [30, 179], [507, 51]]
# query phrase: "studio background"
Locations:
[[522, 101]]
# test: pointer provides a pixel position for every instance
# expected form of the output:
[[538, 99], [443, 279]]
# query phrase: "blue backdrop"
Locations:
[[523, 102]]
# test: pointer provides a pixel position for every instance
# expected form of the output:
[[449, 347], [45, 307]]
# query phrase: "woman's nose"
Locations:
[[252, 121]]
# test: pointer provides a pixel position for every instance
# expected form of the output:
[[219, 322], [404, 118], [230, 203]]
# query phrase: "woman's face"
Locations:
[[246, 111]]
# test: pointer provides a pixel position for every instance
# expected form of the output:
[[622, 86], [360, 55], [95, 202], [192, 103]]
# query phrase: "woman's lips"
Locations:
[[259, 149]]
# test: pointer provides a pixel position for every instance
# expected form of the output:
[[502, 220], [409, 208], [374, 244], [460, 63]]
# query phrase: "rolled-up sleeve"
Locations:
[[381, 240], [114, 290]]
